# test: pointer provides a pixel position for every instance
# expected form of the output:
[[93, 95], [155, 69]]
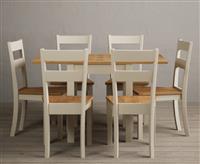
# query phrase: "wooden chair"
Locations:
[[76, 40], [85, 40], [137, 40], [129, 105], [175, 92], [66, 105], [24, 93]]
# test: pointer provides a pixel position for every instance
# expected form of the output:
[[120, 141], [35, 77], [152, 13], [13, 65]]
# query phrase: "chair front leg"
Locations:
[[82, 135], [116, 132], [109, 123], [152, 127], [23, 114], [47, 135]]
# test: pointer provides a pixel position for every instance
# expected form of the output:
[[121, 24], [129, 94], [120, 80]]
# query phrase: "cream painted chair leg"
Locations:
[[176, 115], [129, 127], [89, 126], [15, 116], [116, 133], [82, 135], [152, 137], [60, 126], [140, 126], [109, 123], [70, 129], [185, 117], [89, 117], [47, 136], [23, 115]]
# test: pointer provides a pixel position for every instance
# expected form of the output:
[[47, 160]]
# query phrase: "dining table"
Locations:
[[100, 64]]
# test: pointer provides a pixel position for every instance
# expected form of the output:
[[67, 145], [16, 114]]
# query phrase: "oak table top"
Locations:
[[101, 59]]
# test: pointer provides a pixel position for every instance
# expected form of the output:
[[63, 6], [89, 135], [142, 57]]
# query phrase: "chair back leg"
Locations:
[[176, 115], [89, 126], [152, 137], [47, 135], [15, 116], [185, 116]]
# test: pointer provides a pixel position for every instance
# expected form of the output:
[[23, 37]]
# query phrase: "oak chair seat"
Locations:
[[69, 99], [109, 82], [89, 82], [39, 90], [160, 91], [130, 99]]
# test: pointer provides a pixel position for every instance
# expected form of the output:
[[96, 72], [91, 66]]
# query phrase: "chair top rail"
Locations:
[[126, 39], [133, 55], [73, 39], [62, 55], [16, 45]]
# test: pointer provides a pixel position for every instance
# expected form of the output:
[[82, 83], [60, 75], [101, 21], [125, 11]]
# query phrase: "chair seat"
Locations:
[[39, 91], [130, 99], [109, 82], [89, 82], [68, 99], [160, 91]]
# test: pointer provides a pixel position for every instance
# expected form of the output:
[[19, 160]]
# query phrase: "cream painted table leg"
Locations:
[[70, 122], [129, 123], [129, 118]]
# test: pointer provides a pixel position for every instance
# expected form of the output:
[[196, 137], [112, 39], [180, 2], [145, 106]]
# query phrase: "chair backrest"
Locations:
[[18, 63], [74, 39], [60, 56], [182, 63], [126, 40], [134, 75]]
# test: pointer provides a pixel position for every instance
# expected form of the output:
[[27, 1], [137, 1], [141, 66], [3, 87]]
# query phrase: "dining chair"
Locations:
[[176, 92], [129, 105], [137, 40], [78, 40], [21, 91], [66, 105]]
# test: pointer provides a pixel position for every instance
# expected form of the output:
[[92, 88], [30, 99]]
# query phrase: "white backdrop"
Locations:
[[37, 23]]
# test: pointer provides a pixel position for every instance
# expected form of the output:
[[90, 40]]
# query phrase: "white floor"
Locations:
[[171, 146]]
